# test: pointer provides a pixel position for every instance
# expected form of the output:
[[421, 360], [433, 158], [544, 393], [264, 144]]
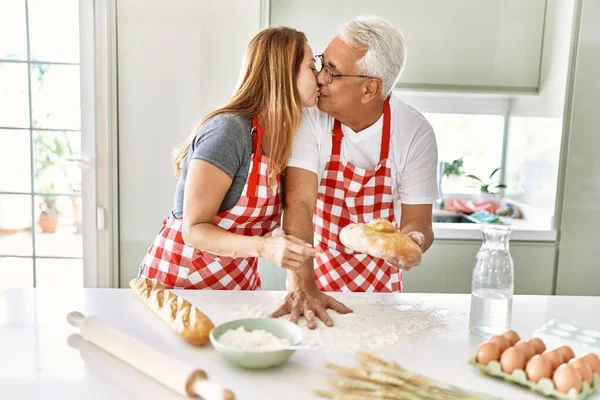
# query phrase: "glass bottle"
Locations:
[[492, 285]]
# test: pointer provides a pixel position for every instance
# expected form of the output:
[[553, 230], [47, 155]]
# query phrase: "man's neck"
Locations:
[[363, 118]]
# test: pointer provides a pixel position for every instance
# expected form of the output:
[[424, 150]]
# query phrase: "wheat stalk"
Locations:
[[378, 379]]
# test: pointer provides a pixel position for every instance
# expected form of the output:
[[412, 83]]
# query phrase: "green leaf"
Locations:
[[494, 173], [475, 178], [454, 168]]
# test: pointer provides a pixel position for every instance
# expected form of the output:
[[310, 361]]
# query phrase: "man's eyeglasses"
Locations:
[[329, 74]]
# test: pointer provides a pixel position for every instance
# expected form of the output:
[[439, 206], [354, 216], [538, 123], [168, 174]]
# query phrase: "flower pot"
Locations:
[[483, 197], [48, 222]]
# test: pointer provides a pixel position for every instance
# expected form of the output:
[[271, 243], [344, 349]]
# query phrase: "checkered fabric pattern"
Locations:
[[348, 194], [257, 212]]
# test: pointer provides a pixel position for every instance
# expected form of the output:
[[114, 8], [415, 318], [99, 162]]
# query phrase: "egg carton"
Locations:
[[545, 386], [556, 333]]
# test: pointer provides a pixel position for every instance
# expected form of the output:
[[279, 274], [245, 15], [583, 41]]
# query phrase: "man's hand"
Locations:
[[418, 238], [405, 265], [311, 303], [415, 222]]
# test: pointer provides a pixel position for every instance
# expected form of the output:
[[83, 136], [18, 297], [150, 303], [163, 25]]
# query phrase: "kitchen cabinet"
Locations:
[[459, 44], [447, 268]]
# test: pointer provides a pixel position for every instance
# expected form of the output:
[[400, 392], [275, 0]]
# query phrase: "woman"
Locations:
[[228, 198]]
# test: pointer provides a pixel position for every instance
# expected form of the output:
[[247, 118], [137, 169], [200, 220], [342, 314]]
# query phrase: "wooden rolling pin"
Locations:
[[179, 376]]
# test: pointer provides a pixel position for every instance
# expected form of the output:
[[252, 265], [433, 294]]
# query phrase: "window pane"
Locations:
[[57, 161], [14, 100], [476, 138], [55, 273], [16, 272], [13, 31], [58, 226], [15, 161], [15, 225], [55, 96], [54, 30]]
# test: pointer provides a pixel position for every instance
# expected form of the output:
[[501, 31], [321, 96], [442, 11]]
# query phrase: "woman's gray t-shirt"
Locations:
[[225, 141]]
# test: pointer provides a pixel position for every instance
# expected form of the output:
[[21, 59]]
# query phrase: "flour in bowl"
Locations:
[[257, 339]]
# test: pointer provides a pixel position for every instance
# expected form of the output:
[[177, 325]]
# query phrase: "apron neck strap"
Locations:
[[257, 136], [385, 136], [337, 138]]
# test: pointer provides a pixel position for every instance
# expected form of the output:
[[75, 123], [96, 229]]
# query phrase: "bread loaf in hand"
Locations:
[[185, 319], [380, 238]]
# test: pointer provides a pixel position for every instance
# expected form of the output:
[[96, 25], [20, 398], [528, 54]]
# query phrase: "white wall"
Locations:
[[177, 61], [536, 122], [579, 250]]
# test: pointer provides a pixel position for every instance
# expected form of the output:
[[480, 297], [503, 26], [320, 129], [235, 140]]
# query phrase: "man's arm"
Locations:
[[417, 187], [304, 297], [417, 218], [301, 188]]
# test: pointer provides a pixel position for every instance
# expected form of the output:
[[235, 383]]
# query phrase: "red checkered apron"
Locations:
[[257, 212], [348, 194]]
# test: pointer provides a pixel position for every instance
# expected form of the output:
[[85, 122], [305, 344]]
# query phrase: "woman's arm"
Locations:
[[205, 189]]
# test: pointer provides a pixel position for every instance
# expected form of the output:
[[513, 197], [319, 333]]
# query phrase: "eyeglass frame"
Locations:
[[334, 75]]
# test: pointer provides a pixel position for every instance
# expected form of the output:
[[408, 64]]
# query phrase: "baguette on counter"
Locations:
[[185, 319]]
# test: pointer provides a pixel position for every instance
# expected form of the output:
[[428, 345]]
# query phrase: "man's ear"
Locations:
[[371, 90]]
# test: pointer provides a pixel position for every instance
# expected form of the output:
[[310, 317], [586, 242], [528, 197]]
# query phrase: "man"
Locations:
[[364, 154]]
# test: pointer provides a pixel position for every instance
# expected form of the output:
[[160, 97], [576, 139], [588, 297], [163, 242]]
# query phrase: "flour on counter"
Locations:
[[257, 339], [373, 324]]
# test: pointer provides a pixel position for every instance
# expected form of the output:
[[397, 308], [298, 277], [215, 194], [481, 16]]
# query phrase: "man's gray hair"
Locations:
[[384, 43]]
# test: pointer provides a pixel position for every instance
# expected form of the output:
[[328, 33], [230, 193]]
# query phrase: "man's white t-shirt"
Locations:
[[413, 150]]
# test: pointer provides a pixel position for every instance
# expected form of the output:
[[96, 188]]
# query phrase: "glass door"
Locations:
[[40, 145]]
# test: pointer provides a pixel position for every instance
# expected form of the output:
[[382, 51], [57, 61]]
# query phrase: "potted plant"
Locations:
[[57, 166], [455, 168], [48, 219], [451, 173], [488, 190]]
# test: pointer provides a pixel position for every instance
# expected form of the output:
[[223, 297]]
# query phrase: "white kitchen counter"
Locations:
[[41, 358]]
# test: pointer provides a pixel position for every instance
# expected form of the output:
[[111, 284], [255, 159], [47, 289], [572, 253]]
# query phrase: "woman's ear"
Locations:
[[371, 90]]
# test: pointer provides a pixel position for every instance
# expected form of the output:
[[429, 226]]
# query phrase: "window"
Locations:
[[476, 139], [470, 129], [40, 144]]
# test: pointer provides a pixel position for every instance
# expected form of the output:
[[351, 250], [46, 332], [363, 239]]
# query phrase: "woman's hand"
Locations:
[[286, 251]]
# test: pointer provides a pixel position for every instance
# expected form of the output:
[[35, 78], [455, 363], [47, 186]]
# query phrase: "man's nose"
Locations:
[[321, 77]]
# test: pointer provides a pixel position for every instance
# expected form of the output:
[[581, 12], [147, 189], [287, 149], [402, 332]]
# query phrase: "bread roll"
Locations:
[[380, 238], [185, 319]]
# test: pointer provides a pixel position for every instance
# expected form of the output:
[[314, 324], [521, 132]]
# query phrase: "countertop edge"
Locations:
[[453, 231]]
